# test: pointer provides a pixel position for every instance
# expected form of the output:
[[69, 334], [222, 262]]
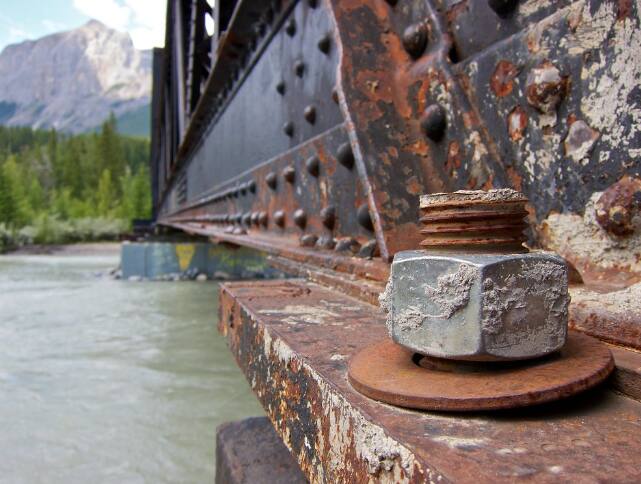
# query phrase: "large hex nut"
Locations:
[[479, 307]]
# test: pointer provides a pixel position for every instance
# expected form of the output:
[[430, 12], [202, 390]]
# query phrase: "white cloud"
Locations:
[[143, 19], [16, 34]]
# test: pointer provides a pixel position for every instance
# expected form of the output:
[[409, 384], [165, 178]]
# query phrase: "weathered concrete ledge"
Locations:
[[292, 339]]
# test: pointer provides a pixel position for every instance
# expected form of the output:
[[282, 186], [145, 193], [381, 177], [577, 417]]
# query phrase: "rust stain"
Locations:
[[516, 123], [618, 205], [502, 80]]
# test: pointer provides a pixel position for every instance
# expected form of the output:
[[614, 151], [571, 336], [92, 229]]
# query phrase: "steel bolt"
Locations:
[[415, 39], [324, 44], [291, 28], [328, 216], [288, 128], [300, 219], [272, 180], [308, 240], [433, 122], [310, 114], [313, 165], [279, 218], [345, 156], [280, 87], [263, 219], [475, 292], [502, 7], [347, 244], [289, 174], [364, 218], [251, 185], [299, 68]]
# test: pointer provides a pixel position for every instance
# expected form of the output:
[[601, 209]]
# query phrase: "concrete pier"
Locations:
[[187, 260]]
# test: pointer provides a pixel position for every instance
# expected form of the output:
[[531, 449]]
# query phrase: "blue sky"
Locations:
[[30, 19]]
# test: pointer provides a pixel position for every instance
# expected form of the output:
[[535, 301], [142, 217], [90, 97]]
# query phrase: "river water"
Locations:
[[105, 381]]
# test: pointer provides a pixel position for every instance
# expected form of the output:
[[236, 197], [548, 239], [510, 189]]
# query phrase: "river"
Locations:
[[105, 381]]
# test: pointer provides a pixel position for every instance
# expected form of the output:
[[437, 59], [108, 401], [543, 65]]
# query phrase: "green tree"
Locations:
[[18, 181], [7, 203], [105, 196]]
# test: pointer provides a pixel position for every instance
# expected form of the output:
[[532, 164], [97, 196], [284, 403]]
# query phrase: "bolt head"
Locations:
[[279, 218], [415, 39], [345, 156], [479, 307], [308, 240], [433, 122], [290, 28], [347, 244], [288, 128], [280, 88], [263, 219], [299, 68], [300, 219], [272, 180], [324, 44], [313, 165], [310, 114], [363, 216], [328, 216], [503, 7], [289, 174]]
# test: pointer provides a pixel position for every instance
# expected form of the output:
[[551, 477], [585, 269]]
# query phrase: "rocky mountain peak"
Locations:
[[72, 80]]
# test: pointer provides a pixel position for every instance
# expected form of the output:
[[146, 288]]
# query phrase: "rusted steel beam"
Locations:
[[293, 339]]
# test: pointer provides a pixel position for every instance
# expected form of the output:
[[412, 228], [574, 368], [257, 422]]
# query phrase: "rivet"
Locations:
[[345, 156], [324, 44], [300, 218], [247, 218], [328, 216], [254, 218], [288, 128], [369, 249], [433, 122], [364, 218], [310, 114], [415, 39], [335, 95], [238, 218], [263, 219], [308, 240], [279, 218], [502, 7], [280, 87], [313, 165], [291, 27], [299, 68], [272, 180], [312, 3], [289, 174], [251, 186], [326, 242], [242, 188], [347, 245]]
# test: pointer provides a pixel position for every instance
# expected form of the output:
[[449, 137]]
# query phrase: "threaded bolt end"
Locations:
[[477, 220]]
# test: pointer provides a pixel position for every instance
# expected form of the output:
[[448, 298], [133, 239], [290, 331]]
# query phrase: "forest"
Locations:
[[60, 188]]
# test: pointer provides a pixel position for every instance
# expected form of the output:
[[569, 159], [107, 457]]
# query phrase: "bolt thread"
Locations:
[[474, 220]]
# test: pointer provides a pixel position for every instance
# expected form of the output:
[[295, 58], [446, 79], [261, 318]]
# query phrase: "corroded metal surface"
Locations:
[[392, 374], [293, 339]]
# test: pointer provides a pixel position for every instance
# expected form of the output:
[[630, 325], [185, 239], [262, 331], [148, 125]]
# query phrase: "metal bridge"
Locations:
[[307, 129]]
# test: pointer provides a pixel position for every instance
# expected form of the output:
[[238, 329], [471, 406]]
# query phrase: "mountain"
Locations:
[[73, 80]]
